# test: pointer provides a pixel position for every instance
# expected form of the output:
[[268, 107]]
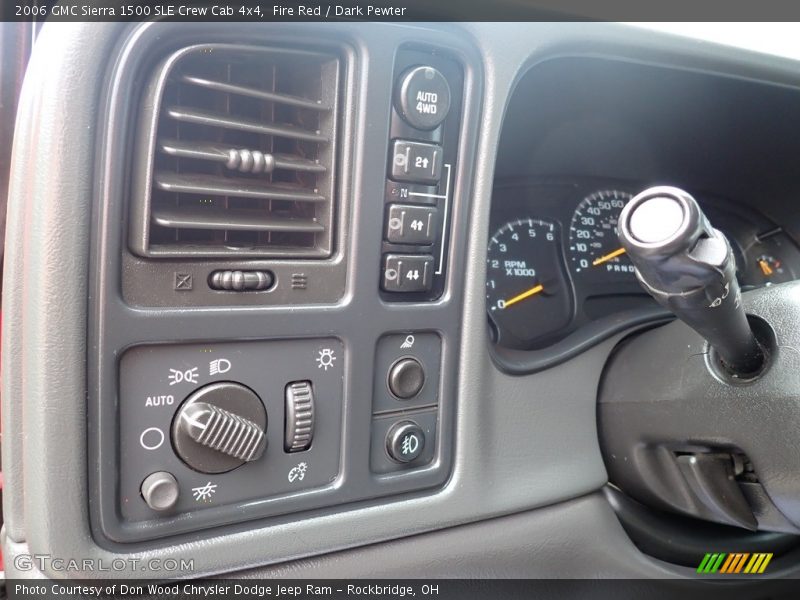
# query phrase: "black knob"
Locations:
[[423, 97], [220, 427], [689, 268]]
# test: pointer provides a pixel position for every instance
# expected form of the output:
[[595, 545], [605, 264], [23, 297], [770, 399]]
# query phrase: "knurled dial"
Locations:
[[299, 416], [220, 427]]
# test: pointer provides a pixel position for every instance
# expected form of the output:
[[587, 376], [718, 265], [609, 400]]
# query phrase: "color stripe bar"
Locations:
[[711, 562], [734, 563]]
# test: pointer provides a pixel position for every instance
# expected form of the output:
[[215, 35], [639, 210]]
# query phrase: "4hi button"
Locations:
[[423, 97], [406, 378], [405, 441]]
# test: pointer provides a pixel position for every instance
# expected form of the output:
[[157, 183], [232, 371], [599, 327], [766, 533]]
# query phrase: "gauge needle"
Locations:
[[765, 268], [608, 257], [531, 292]]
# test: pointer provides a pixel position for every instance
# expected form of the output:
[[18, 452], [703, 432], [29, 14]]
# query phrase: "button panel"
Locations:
[[155, 382], [409, 224], [421, 165], [405, 403]]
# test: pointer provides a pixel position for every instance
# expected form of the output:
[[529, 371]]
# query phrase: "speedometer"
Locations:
[[527, 294], [594, 248]]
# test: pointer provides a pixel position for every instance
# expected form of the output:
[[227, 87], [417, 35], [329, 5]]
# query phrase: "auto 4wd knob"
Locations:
[[220, 427]]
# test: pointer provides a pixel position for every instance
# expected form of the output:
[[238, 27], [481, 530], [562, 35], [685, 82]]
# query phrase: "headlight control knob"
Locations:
[[220, 427]]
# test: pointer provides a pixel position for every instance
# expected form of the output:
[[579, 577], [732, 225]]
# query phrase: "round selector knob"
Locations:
[[220, 427], [405, 441], [406, 378], [160, 490], [423, 97]]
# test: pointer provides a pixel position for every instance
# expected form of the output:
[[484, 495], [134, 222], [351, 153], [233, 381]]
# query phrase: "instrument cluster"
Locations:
[[556, 270]]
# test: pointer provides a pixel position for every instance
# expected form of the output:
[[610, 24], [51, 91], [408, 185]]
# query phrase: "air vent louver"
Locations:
[[237, 155]]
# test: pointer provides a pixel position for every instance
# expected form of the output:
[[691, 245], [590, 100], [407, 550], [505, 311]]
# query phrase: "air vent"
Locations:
[[237, 155]]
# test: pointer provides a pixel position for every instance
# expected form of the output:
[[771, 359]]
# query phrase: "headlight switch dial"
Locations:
[[220, 427]]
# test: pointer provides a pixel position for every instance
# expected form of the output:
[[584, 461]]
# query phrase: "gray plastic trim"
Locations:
[[521, 442], [358, 320]]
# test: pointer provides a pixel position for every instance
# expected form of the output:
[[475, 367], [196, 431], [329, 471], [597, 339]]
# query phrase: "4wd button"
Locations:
[[423, 97]]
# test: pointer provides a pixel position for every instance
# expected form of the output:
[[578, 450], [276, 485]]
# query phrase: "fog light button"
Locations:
[[405, 441]]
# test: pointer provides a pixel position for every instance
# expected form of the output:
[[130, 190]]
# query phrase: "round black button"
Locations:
[[405, 441], [423, 97], [406, 378]]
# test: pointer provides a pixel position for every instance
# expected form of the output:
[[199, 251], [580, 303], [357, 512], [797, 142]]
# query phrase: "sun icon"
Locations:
[[325, 359]]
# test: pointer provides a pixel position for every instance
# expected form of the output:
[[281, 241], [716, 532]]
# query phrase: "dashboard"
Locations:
[[555, 264], [414, 310]]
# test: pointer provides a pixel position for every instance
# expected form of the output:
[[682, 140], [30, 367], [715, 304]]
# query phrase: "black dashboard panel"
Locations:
[[60, 392]]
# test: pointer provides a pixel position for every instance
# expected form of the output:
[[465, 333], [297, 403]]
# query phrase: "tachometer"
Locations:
[[527, 295], [594, 249]]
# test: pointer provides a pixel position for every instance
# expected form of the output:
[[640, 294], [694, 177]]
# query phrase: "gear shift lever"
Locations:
[[689, 268]]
